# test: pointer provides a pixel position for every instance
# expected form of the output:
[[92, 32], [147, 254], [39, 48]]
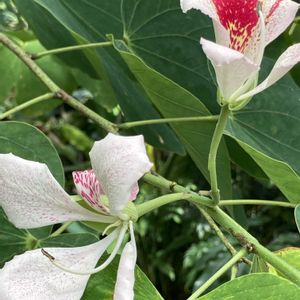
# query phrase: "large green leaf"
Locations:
[[268, 130], [255, 286], [168, 40], [101, 285], [77, 22], [30, 143], [174, 101]]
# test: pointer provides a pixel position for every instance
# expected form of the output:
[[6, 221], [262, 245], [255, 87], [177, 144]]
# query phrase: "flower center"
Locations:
[[240, 18]]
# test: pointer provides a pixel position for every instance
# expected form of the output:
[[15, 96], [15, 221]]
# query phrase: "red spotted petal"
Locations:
[[240, 18], [89, 188]]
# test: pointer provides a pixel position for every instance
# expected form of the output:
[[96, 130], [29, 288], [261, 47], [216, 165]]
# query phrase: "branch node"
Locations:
[[61, 94], [172, 186]]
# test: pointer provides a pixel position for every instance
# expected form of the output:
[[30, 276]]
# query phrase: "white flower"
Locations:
[[32, 198], [243, 28]]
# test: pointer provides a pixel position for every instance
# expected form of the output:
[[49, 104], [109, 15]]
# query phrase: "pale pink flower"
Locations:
[[243, 28], [31, 198]]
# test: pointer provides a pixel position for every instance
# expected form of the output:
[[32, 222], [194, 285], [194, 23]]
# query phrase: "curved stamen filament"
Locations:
[[102, 266]]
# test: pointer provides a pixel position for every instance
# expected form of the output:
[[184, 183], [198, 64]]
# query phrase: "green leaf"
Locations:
[[168, 41], [101, 285], [255, 286], [268, 130], [297, 216], [174, 101], [12, 239], [76, 22], [41, 233], [69, 240], [9, 69], [28, 142], [291, 255]]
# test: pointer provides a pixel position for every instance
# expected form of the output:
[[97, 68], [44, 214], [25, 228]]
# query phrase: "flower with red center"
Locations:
[[243, 28], [32, 198]]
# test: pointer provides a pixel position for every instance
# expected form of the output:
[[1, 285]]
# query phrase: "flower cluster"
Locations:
[[31, 198], [243, 29]]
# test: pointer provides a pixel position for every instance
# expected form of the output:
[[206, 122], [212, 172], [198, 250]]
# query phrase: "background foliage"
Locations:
[[155, 68]]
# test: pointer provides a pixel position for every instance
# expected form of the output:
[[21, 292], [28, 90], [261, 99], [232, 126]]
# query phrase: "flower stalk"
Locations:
[[215, 143], [70, 48]]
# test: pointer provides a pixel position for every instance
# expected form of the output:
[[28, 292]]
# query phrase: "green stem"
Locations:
[[234, 271], [216, 140], [150, 205], [27, 104], [70, 48], [128, 125], [171, 186], [256, 202], [53, 87], [252, 244], [61, 229], [218, 231], [218, 274]]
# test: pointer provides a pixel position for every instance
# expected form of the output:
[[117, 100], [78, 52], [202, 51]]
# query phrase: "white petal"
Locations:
[[221, 34], [283, 65], [31, 276], [119, 162], [279, 14], [232, 67], [31, 197], [206, 6], [125, 278]]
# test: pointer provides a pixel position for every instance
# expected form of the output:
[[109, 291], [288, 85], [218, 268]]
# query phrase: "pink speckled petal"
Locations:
[[232, 67], [283, 65], [31, 276], [279, 14], [119, 162], [89, 188], [31, 197], [125, 277]]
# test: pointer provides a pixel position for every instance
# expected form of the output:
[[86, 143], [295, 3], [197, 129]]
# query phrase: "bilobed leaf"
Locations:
[[255, 286], [174, 101], [77, 22], [168, 41], [297, 216], [101, 285], [28, 142]]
